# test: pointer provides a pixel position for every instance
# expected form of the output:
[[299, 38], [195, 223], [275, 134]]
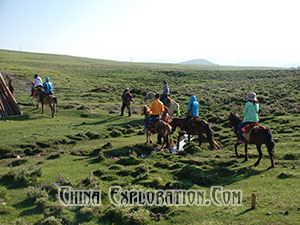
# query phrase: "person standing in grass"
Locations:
[[11, 87], [126, 101], [250, 114]]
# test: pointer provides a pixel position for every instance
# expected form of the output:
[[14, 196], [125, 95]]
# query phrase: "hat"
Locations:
[[251, 96], [127, 89]]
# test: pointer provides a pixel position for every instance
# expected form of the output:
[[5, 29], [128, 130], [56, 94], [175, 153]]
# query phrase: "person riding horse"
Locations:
[[192, 111], [250, 114], [37, 83], [156, 108], [166, 93], [48, 88]]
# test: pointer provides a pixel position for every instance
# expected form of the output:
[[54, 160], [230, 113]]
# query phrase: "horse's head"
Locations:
[[234, 119], [175, 123], [145, 110]]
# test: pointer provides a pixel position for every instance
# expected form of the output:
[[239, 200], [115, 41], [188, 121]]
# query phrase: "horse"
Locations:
[[171, 104], [195, 127], [258, 136], [162, 128], [50, 100]]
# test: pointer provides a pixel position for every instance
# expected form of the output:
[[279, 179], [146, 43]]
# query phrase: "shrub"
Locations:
[[125, 216], [131, 160], [34, 193], [51, 221], [92, 135], [24, 176], [53, 156], [18, 162], [116, 133]]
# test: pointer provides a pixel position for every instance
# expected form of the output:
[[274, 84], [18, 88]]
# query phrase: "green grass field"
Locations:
[[88, 145]]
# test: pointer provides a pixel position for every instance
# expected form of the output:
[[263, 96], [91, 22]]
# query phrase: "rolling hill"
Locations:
[[198, 62]]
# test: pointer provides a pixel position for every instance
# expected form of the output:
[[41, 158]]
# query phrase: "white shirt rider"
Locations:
[[38, 82]]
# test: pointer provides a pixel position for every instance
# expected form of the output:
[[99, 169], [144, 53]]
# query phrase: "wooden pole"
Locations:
[[253, 201], [9, 103]]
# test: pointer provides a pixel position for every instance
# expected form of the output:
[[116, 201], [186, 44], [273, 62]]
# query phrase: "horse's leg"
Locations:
[[52, 109], [158, 139], [147, 137], [246, 153], [272, 157], [42, 108], [235, 149], [150, 139], [189, 138], [259, 156], [178, 140], [200, 139]]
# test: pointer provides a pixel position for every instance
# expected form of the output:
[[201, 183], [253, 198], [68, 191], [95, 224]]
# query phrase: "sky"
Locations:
[[231, 32]]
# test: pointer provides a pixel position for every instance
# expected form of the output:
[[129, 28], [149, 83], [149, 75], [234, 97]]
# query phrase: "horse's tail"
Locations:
[[178, 110], [209, 134], [55, 103], [269, 141], [169, 128]]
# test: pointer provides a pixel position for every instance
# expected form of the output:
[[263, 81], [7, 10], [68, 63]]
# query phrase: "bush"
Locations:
[[92, 182], [125, 216], [92, 135], [51, 221], [34, 193], [131, 160], [116, 133], [24, 176], [18, 162], [53, 156], [291, 156]]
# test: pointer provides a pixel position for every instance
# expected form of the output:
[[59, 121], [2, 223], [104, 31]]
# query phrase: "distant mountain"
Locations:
[[199, 62]]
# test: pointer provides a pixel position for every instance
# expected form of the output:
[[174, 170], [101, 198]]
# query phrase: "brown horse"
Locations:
[[258, 136], [195, 127], [158, 126], [50, 100]]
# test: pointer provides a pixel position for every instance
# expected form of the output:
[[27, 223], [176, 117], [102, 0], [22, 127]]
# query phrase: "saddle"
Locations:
[[152, 125], [167, 101], [247, 130]]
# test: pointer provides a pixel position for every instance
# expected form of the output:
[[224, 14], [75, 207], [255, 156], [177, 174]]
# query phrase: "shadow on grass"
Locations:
[[27, 205], [22, 117], [246, 211], [99, 122]]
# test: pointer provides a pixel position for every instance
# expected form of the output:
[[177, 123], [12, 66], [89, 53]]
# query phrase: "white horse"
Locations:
[[173, 105]]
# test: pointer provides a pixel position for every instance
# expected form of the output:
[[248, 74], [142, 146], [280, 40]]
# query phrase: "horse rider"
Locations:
[[250, 114], [37, 83], [48, 89], [156, 108], [166, 92], [126, 100], [192, 111]]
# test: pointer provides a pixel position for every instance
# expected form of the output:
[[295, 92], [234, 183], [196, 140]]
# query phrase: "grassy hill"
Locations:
[[89, 146], [198, 62]]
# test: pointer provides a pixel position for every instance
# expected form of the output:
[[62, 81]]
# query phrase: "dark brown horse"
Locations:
[[162, 128], [195, 127], [258, 136]]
